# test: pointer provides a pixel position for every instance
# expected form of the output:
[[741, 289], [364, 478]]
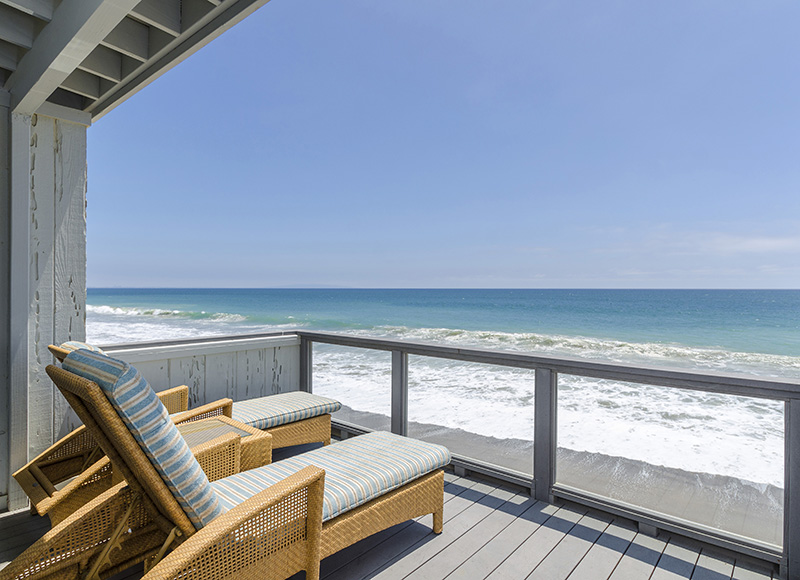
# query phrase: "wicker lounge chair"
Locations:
[[291, 418], [228, 527]]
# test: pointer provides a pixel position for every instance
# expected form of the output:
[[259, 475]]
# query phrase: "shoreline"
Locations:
[[726, 503]]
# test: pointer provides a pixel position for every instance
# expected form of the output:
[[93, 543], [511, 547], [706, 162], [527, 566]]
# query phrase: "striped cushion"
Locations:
[[148, 421], [356, 470], [268, 412], [78, 345]]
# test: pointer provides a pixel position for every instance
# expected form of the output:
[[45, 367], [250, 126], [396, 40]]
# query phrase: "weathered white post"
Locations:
[[5, 290], [46, 275]]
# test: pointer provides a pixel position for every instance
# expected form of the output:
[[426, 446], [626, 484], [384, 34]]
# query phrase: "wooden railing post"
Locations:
[[400, 392], [544, 436], [306, 368], [790, 564]]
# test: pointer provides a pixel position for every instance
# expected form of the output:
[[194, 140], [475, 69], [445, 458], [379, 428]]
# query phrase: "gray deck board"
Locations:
[[493, 553], [677, 562], [606, 553], [491, 532], [473, 539], [409, 560], [536, 548], [713, 566], [749, 571], [640, 558], [573, 547]]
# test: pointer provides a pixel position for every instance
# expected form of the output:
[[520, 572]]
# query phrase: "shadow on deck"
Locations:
[[493, 532]]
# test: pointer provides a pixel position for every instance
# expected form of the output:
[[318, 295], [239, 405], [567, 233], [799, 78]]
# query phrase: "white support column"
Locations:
[[20, 156], [5, 291], [47, 276]]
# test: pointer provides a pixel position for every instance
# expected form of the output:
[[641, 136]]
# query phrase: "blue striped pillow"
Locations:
[[148, 421], [274, 410], [78, 345]]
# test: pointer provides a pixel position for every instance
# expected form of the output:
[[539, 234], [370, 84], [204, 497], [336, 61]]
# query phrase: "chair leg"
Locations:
[[113, 543], [438, 520]]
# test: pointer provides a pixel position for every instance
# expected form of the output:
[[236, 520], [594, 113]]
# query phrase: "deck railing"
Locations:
[[542, 482]]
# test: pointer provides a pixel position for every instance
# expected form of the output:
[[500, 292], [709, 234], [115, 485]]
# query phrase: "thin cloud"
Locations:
[[730, 244]]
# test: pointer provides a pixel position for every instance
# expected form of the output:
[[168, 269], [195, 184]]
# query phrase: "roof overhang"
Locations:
[[88, 56]]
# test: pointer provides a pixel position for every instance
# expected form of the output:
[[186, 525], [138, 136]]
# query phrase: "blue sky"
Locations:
[[531, 144]]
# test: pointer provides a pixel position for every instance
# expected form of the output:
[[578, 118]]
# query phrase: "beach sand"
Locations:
[[744, 508]]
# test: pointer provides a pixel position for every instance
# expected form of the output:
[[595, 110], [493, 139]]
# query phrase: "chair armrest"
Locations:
[[87, 485], [273, 534], [66, 458], [176, 399], [221, 407], [78, 540], [220, 457]]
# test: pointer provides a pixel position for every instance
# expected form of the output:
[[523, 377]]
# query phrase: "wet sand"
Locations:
[[721, 502]]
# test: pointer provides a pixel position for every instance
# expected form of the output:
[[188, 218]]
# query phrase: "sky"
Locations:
[[444, 144]]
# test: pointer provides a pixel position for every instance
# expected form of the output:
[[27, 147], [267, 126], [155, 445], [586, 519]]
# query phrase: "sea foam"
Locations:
[[694, 431]]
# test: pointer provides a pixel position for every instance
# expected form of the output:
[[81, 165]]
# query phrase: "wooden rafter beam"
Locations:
[[16, 27], [103, 62], [82, 83], [41, 9], [8, 56], [76, 29], [130, 38], [193, 37], [162, 14]]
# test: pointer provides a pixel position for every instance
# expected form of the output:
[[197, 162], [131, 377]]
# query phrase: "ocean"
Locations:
[[755, 332]]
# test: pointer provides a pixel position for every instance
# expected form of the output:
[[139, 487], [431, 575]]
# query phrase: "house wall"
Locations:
[[46, 283]]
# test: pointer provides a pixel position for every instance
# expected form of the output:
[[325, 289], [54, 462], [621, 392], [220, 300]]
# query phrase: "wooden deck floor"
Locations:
[[492, 532]]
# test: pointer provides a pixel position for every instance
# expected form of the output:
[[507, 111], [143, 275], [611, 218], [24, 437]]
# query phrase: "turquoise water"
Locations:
[[752, 332], [755, 321]]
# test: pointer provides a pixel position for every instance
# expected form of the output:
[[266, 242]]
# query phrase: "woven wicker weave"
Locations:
[[141, 518], [314, 430], [272, 535], [76, 457], [72, 456], [256, 444]]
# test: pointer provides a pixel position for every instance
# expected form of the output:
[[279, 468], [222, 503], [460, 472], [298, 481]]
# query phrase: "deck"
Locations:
[[494, 532]]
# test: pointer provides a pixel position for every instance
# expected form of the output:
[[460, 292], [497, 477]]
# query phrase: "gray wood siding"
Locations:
[[233, 369]]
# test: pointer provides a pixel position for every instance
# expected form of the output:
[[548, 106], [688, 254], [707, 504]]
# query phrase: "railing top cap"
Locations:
[[728, 383]]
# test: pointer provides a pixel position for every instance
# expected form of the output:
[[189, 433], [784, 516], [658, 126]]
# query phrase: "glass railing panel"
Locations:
[[483, 412], [361, 379], [709, 459]]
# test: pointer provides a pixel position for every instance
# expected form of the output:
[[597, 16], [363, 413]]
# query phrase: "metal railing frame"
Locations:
[[543, 484]]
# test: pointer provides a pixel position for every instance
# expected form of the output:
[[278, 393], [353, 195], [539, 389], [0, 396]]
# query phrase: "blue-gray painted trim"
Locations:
[[399, 392]]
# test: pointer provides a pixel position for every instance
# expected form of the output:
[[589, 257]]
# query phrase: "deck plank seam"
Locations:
[[589, 513], [513, 513], [542, 526], [459, 484], [589, 549], [520, 540], [383, 568]]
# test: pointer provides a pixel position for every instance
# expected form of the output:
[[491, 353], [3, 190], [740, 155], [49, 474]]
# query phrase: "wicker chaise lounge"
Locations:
[[238, 525], [291, 418]]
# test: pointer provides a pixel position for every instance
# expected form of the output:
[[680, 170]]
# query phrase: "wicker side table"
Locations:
[[256, 444]]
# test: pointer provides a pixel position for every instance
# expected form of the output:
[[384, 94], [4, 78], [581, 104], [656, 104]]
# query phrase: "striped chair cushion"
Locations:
[[356, 470], [78, 345], [268, 412], [148, 421]]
